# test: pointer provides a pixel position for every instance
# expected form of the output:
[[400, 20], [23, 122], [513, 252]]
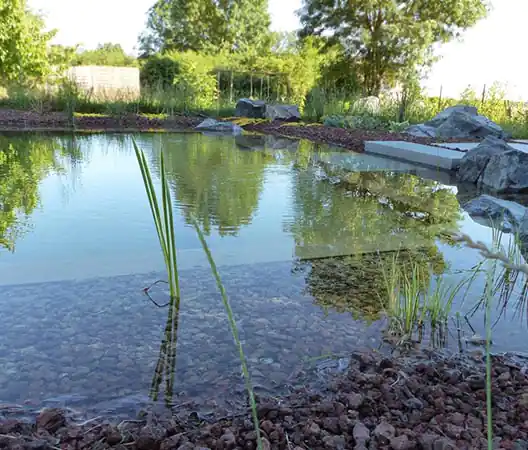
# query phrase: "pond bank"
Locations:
[[16, 120], [421, 402]]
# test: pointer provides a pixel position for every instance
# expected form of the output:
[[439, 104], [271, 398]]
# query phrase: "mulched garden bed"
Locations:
[[427, 402], [15, 120], [350, 139]]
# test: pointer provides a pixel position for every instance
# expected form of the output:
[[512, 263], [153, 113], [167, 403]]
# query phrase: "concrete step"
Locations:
[[426, 155]]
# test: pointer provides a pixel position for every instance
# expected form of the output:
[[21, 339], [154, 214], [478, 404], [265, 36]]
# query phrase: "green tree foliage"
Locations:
[[61, 56], [23, 43], [293, 72], [382, 37], [217, 183], [106, 54], [206, 26]]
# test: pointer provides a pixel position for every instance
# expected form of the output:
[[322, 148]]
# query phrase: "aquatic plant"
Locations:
[[409, 301], [164, 222]]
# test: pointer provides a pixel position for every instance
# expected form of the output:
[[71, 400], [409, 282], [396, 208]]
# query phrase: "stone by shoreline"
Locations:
[[421, 402]]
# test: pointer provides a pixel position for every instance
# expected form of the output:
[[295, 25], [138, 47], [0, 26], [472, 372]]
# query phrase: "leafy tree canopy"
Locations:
[[208, 26], [106, 54], [23, 43], [383, 37]]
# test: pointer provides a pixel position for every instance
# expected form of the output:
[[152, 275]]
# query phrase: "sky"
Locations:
[[490, 51]]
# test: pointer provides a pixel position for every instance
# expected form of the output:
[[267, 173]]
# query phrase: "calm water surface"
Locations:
[[77, 246]]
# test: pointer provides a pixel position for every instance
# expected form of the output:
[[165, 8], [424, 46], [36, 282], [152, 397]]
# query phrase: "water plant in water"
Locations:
[[164, 222], [411, 304]]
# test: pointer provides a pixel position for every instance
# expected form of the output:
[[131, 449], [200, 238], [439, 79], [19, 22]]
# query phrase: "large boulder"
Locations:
[[472, 165], [460, 122], [507, 172], [442, 116], [496, 166], [254, 109], [492, 211], [286, 113], [219, 127]]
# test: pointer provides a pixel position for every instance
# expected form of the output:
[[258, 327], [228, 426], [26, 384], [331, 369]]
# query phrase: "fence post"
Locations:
[[218, 93], [440, 99], [483, 95], [231, 88]]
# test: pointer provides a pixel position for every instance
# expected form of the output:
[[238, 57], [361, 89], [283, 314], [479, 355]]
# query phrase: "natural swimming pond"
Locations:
[[297, 231]]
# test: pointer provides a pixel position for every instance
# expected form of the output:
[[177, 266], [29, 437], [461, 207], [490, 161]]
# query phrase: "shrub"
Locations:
[[159, 71]]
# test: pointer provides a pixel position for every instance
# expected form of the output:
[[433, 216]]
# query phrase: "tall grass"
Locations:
[[164, 222]]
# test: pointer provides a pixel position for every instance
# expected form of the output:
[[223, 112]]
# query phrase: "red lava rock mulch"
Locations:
[[350, 139], [429, 403]]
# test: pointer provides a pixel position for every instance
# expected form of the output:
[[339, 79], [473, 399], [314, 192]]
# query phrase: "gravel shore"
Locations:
[[422, 402]]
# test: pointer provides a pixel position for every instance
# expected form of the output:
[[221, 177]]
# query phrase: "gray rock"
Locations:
[[507, 172], [384, 432], [254, 109], [354, 401], [488, 210], [460, 121], [442, 116], [220, 127], [461, 125], [288, 113], [361, 433], [473, 164], [421, 130], [401, 443], [337, 442]]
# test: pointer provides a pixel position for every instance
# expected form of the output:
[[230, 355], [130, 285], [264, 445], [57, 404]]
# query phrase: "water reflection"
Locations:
[[217, 184], [166, 364], [24, 162], [344, 213]]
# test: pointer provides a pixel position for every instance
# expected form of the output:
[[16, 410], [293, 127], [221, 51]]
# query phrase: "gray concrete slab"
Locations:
[[465, 146], [426, 155]]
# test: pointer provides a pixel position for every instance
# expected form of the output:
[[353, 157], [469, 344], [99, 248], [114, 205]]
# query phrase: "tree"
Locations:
[[385, 36], [206, 26], [106, 54], [23, 43]]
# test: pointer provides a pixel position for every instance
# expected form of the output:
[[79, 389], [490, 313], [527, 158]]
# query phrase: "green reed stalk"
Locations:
[[234, 331], [164, 225], [165, 229]]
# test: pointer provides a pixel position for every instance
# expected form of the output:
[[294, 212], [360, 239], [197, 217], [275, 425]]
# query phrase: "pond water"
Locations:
[[294, 228]]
